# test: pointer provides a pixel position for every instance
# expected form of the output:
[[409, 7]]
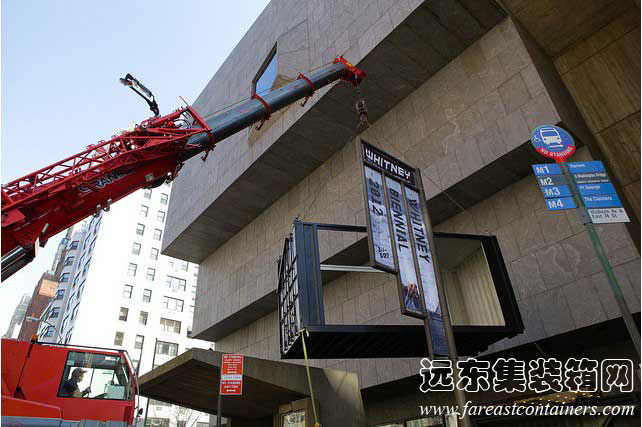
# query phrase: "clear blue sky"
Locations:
[[61, 61]]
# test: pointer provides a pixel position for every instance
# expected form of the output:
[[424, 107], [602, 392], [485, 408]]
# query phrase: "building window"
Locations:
[[189, 332], [143, 210], [127, 291], [266, 76], [138, 343], [142, 318], [124, 311], [173, 304], [140, 229], [160, 216], [118, 339], [136, 248], [64, 278], [154, 254], [60, 294], [49, 331], [54, 312], [175, 283], [167, 348], [147, 295], [160, 403], [147, 194], [184, 265], [191, 309], [131, 270], [69, 261], [170, 325], [164, 198], [151, 273], [158, 234], [74, 245], [196, 271]]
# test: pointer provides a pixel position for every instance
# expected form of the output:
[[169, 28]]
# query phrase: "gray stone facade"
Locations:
[[469, 116]]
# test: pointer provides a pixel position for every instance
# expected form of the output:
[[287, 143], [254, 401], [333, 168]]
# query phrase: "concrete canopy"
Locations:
[[192, 380], [428, 39]]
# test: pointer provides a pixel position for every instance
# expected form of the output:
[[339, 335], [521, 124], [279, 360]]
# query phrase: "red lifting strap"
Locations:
[[302, 76], [267, 110]]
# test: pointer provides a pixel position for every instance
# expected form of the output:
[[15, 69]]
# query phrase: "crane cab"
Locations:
[[71, 383]]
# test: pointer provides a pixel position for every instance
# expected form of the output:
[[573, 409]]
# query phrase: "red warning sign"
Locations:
[[232, 374]]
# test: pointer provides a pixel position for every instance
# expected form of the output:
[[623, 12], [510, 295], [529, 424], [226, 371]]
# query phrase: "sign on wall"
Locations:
[[398, 236], [231, 375]]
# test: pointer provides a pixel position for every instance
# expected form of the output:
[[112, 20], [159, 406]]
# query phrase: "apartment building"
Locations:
[[116, 290]]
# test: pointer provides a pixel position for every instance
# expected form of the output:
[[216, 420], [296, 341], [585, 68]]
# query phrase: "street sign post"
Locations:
[[585, 185], [231, 382]]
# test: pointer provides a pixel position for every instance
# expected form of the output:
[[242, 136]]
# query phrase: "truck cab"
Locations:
[[66, 382]]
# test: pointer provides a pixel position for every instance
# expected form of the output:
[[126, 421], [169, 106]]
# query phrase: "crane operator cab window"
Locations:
[[95, 376]]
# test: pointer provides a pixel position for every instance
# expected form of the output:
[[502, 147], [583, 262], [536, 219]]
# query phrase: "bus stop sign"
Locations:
[[553, 142]]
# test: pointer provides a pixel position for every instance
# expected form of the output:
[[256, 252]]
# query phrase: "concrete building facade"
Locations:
[[454, 88]]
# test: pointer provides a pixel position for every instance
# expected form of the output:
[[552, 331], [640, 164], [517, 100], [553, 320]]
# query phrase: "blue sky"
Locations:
[[61, 61]]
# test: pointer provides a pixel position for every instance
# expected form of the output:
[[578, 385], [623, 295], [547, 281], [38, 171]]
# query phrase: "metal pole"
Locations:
[[220, 398], [460, 394], [153, 361], [606, 265]]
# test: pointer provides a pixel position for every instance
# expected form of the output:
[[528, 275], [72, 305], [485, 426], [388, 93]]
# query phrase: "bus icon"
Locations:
[[551, 137]]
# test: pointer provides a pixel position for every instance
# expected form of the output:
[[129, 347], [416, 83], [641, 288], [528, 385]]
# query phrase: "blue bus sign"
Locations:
[[560, 203], [553, 142], [602, 201], [547, 169]]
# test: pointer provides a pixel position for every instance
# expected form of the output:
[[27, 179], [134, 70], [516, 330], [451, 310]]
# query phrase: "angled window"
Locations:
[[143, 210], [55, 312], [60, 294], [127, 291], [153, 254], [68, 261], [74, 245], [49, 331], [122, 315], [158, 233], [265, 78], [160, 216], [147, 194], [64, 278], [184, 265], [147, 295], [140, 229], [164, 198], [151, 273]]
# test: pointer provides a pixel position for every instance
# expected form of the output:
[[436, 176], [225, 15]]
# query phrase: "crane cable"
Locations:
[[303, 334]]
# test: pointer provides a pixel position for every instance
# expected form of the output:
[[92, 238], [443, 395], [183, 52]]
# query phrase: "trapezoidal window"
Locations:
[[265, 78]]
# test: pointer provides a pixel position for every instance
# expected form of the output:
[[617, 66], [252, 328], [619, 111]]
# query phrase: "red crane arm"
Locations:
[[43, 203]]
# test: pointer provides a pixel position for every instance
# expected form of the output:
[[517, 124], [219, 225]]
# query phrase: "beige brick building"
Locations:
[[454, 88]]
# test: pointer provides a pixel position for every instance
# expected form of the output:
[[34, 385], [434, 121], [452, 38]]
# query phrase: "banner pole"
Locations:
[[220, 398]]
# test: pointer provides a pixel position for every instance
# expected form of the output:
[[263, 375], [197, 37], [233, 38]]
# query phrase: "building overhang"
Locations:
[[192, 380], [428, 39]]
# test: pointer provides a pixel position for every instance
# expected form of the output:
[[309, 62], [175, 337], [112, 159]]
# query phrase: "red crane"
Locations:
[[49, 200]]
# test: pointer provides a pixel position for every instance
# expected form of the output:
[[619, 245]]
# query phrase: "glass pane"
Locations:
[[266, 80]]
